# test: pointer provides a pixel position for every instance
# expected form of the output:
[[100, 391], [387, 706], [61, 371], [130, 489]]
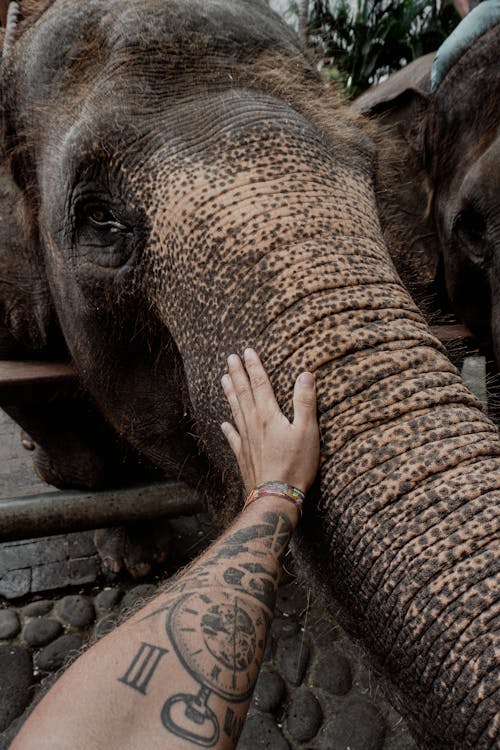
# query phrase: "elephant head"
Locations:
[[439, 179], [194, 188], [461, 149]]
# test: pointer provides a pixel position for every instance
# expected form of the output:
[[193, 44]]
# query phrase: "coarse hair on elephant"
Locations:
[[194, 187], [439, 180]]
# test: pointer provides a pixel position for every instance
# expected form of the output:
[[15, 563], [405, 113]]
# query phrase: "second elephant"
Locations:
[[439, 179]]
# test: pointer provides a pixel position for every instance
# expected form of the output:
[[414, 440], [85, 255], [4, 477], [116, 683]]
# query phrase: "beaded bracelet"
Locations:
[[278, 489]]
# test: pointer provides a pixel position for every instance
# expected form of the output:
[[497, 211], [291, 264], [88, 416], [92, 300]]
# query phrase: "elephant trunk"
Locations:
[[409, 484], [403, 528], [409, 480]]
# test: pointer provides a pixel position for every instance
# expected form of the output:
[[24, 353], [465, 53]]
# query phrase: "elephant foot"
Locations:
[[136, 549]]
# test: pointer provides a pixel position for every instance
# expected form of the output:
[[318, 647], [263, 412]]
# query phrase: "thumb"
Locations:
[[304, 399]]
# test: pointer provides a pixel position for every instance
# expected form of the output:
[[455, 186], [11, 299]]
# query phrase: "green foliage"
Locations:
[[360, 44]]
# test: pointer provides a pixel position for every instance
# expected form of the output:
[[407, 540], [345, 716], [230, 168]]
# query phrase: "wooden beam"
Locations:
[[62, 512], [451, 332], [24, 381], [4, 7]]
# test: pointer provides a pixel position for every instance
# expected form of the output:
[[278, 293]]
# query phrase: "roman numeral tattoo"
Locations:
[[233, 725], [142, 667]]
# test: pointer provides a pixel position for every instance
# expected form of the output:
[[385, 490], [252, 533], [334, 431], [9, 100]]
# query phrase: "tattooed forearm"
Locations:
[[215, 619], [256, 553]]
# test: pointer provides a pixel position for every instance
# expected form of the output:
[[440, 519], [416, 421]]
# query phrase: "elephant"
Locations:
[[439, 186], [192, 187]]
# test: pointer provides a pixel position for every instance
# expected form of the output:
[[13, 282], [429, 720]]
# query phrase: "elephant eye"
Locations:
[[470, 227], [102, 217]]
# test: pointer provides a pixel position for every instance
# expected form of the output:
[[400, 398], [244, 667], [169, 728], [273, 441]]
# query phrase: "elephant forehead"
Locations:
[[75, 40]]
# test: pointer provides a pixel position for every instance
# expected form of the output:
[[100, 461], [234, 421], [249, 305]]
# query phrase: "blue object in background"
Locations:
[[482, 18]]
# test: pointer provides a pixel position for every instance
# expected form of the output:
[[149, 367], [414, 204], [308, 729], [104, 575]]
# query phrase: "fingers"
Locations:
[[232, 399], [262, 390], [241, 384], [304, 400], [232, 438]]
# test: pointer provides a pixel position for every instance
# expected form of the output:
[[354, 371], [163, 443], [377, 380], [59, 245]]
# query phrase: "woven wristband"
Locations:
[[277, 489]]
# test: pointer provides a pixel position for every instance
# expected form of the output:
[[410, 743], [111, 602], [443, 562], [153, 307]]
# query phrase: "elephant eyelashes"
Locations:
[[102, 218], [470, 228]]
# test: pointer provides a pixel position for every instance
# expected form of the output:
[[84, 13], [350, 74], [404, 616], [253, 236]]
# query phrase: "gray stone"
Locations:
[[54, 655], [474, 376], [284, 627], [9, 623], [16, 672], [64, 573], [332, 673], [76, 610], [80, 544], [294, 659], [292, 599], [85, 570], [138, 594], [359, 727], [38, 608], [46, 564], [49, 576], [304, 715], [260, 731], [14, 583], [106, 625], [41, 631], [322, 627], [107, 599], [269, 691]]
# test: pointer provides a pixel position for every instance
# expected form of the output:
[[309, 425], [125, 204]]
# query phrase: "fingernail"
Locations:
[[250, 354], [226, 381], [306, 379], [224, 427], [232, 360]]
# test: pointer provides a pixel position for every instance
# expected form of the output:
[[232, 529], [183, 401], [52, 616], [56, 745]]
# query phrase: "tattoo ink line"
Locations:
[[143, 666]]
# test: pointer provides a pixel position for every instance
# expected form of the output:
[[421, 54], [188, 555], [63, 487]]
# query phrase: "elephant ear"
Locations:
[[412, 81], [26, 313], [398, 108]]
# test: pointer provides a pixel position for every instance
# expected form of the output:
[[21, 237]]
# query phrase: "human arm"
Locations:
[[180, 673]]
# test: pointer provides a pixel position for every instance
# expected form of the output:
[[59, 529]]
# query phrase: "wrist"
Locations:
[[274, 503], [292, 496]]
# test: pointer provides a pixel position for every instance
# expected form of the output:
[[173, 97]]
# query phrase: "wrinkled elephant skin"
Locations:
[[196, 189]]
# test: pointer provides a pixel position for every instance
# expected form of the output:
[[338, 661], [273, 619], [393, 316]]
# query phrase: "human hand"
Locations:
[[266, 445]]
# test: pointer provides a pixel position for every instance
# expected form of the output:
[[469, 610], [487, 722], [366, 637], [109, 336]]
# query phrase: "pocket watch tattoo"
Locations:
[[226, 662]]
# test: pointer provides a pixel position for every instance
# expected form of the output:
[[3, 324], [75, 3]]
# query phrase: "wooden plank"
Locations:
[[65, 511], [451, 332], [22, 381], [26, 372]]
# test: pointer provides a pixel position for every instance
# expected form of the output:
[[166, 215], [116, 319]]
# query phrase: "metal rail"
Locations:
[[61, 512]]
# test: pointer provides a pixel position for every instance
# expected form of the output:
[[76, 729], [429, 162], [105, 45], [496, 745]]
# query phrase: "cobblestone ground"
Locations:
[[315, 691]]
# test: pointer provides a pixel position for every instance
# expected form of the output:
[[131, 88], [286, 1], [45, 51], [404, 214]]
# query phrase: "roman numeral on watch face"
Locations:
[[142, 667]]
